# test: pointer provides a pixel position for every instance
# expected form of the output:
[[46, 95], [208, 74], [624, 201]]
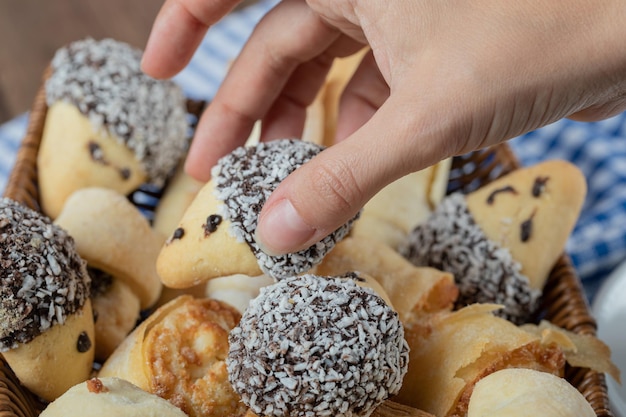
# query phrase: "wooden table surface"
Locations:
[[32, 30]]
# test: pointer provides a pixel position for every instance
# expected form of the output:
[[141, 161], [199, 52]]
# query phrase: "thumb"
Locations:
[[331, 188]]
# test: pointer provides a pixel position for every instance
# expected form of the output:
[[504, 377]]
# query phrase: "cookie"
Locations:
[[501, 241], [105, 397], [108, 124], [178, 353], [317, 346], [120, 249], [413, 291], [216, 236], [47, 332], [451, 351], [527, 393]]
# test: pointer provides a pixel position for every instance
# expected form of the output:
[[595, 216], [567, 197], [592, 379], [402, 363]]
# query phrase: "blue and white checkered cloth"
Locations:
[[598, 243]]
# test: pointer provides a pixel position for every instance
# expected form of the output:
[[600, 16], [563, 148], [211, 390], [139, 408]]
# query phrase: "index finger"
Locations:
[[177, 31]]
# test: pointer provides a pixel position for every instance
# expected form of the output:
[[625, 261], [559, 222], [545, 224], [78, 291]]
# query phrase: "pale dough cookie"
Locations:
[[47, 330], [395, 210], [178, 353], [216, 235], [413, 291], [108, 124], [534, 218], [180, 192], [121, 249], [527, 393], [501, 241], [451, 351], [106, 397], [237, 290]]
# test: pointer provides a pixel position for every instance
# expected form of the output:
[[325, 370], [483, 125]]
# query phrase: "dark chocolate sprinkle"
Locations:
[[246, 177], [83, 344], [526, 228], [485, 272], [103, 79], [43, 279], [506, 189], [211, 224], [539, 185], [317, 346]]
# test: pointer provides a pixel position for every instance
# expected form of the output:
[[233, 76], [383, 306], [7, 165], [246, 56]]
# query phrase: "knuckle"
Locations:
[[337, 186]]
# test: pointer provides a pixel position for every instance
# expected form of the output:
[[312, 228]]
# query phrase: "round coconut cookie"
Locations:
[[103, 79], [485, 272], [317, 346], [244, 180]]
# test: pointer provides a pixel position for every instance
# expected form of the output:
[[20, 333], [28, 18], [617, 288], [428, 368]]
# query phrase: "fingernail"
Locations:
[[282, 230]]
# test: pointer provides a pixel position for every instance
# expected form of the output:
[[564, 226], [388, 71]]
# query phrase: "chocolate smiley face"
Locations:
[[501, 241], [535, 216]]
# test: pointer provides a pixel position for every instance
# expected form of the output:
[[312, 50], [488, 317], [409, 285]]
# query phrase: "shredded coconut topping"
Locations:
[[245, 178], [450, 240], [43, 279], [103, 79], [317, 346]]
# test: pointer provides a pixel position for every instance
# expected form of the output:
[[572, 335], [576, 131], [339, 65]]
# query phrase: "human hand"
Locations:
[[443, 78]]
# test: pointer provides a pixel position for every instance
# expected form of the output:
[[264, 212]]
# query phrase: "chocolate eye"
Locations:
[[507, 189], [83, 344], [96, 152], [125, 173], [539, 186], [178, 233], [211, 224]]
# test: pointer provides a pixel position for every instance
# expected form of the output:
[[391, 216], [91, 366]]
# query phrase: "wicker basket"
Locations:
[[564, 302]]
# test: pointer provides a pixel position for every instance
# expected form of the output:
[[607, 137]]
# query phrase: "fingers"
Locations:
[[256, 79], [177, 32], [364, 94], [286, 116], [324, 193], [608, 109]]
